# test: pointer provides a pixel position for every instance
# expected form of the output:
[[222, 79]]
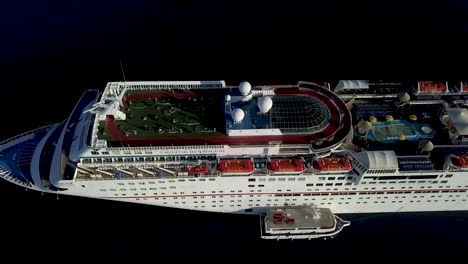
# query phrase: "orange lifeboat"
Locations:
[[337, 164], [431, 86], [286, 166], [200, 169], [235, 166], [460, 161], [464, 87]]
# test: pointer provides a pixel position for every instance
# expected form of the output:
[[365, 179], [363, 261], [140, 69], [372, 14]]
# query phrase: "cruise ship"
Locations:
[[300, 155]]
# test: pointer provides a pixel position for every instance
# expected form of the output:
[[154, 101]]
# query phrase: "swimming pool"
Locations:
[[391, 131]]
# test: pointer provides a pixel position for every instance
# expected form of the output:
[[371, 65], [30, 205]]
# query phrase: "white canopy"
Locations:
[[459, 118], [352, 84], [378, 160]]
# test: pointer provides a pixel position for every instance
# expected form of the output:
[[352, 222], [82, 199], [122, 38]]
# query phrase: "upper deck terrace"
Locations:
[[169, 117]]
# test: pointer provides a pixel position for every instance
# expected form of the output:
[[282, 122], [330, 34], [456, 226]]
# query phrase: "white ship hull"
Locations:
[[22, 158], [252, 195], [232, 194]]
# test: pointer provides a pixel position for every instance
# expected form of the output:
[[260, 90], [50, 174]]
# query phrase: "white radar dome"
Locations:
[[264, 104], [426, 145], [244, 88], [237, 115], [228, 98]]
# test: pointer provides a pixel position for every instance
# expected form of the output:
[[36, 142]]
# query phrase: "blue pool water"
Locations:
[[390, 131]]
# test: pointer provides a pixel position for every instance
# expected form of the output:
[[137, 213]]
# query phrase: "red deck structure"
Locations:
[[464, 86], [200, 169], [235, 166], [460, 161], [432, 87], [286, 165], [333, 164]]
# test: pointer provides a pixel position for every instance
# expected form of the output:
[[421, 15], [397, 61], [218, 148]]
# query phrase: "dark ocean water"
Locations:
[[51, 51]]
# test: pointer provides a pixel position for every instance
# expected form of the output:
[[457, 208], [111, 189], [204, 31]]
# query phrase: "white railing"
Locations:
[[20, 138], [6, 174]]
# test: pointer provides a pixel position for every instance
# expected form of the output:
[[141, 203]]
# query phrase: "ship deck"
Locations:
[[177, 118], [302, 218], [166, 114], [408, 120], [401, 128]]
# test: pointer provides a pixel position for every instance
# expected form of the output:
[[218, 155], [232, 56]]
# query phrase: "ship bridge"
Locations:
[[39, 159], [16, 155]]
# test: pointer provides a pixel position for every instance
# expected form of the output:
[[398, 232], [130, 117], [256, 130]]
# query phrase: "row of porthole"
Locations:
[[168, 181], [251, 205], [174, 187], [222, 196], [375, 202], [306, 199]]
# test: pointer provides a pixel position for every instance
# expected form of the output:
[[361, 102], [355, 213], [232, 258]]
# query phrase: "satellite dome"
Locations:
[[228, 98], [237, 115], [264, 104], [244, 88], [404, 97], [426, 145], [365, 125], [426, 129]]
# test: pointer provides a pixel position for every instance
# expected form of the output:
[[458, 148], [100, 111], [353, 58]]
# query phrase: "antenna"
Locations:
[[119, 97], [122, 69]]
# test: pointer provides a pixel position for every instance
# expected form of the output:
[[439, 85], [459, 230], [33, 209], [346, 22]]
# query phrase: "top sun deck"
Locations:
[[222, 115], [421, 125], [166, 113]]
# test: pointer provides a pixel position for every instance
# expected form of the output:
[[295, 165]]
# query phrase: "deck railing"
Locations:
[[20, 138]]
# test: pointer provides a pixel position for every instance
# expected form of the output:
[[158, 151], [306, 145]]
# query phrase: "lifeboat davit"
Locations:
[[200, 169], [286, 166], [235, 166], [336, 164]]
